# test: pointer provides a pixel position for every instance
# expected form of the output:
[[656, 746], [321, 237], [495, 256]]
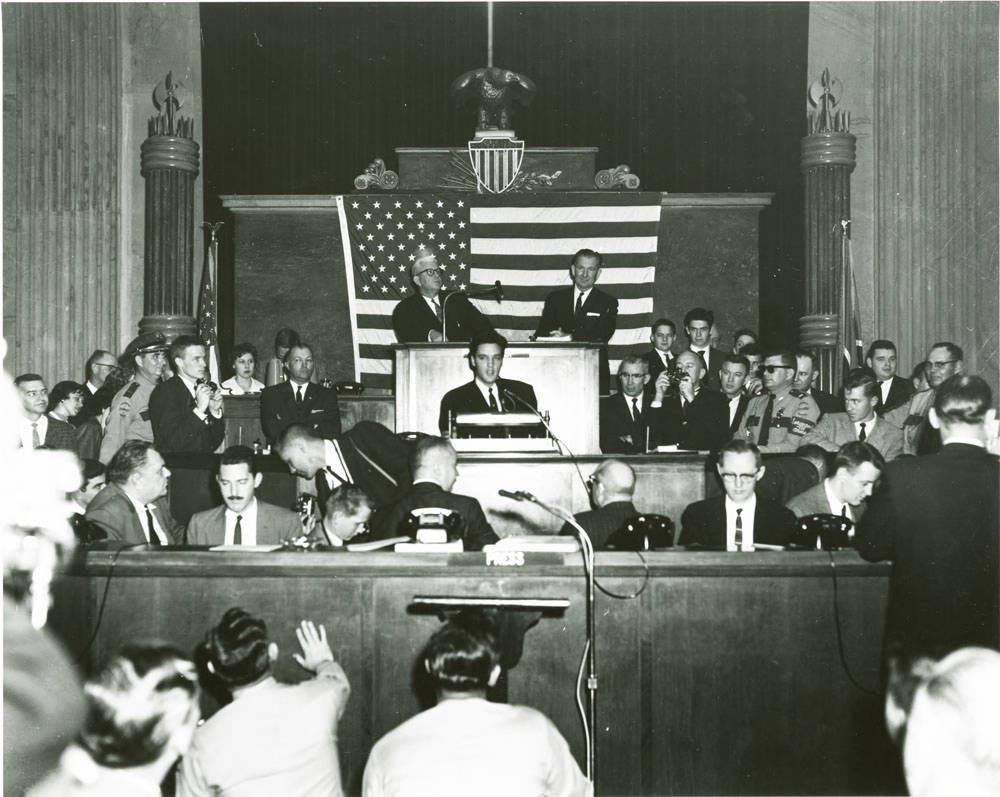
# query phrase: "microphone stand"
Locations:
[[494, 291], [589, 718]]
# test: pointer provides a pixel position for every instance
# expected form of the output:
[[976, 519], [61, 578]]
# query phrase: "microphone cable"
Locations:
[[104, 599], [840, 636]]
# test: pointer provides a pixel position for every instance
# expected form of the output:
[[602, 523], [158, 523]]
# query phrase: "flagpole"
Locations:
[[489, 33]]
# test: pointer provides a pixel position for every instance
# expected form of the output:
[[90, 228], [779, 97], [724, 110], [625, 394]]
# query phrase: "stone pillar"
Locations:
[[827, 160], [169, 164]]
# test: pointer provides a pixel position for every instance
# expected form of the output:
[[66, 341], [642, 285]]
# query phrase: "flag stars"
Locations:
[[379, 226], [451, 235], [460, 203], [430, 214], [370, 237], [388, 215], [461, 286], [440, 204], [430, 236], [461, 225], [452, 277], [392, 278], [461, 244], [461, 266], [418, 204], [385, 289], [355, 205], [368, 215], [401, 247], [391, 236], [359, 226], [376, 205], [409, 214], [381, 247], [440, 225], [420, 225], [410, 237], [399, 205], [452, 256], [441, 245], [381, 269], [366, 288], [451, 214]]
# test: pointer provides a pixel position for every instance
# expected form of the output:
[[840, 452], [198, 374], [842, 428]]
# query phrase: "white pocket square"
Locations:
[[594, 314]]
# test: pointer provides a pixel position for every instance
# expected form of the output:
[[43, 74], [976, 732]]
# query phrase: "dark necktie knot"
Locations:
[[238, 531], [862, 435], [151, 528]]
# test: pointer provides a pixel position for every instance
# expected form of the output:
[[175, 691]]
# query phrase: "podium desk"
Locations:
[[564, 376], [721, 677]]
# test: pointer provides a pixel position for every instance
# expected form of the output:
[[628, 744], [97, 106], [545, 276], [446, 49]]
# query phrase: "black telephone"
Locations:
[[349, 388], [833, 532], [643, 533]]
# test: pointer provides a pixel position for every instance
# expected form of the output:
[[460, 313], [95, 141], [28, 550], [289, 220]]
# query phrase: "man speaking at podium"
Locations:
[[418, 318], [487, 392]]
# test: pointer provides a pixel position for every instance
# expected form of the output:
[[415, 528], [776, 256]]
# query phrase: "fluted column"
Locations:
[[827, 160], [169, 164]]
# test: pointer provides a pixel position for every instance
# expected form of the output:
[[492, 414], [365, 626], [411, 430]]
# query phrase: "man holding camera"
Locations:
[[186, 410], [694, 417]]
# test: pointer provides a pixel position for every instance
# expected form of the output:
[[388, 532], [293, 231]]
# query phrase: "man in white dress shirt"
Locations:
[[894, 391], [242, 519], [855, 471], [466, 745]]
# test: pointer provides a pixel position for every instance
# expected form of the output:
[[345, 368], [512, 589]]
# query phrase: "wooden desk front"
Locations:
[[721, 677]]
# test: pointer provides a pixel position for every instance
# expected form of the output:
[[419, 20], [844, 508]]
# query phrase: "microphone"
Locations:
[[517, 495], [534, 411], [496, 290]]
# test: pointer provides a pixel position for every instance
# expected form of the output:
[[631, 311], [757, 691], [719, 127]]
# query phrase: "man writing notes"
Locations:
[[487, 392], [582, 312], [418, 318]]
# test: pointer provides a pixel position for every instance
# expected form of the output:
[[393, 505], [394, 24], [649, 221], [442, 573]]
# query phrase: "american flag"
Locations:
[[523, 240], [207, 322]]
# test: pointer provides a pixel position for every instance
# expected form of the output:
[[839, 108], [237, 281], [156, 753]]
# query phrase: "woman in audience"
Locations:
[[743, 337], [65, 401], [142, 709], [242, 381]]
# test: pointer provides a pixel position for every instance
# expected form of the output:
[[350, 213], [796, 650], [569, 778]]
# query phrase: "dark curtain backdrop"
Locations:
[[700, 97]]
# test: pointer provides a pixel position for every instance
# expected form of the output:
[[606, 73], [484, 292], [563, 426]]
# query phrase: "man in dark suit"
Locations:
[[583, 312], [694, 417], [733, 377], [661, 358], [487, 392], [367, 454], [133, 509], [936, 518], [740, 519], [186, 410], [612, 486], [34, 427], [242, 519], [418, 317], [893, 391], [806, 376], [435, 468], [856, 469], [628, 421], [99, 366], [298, 400], [698, 324]]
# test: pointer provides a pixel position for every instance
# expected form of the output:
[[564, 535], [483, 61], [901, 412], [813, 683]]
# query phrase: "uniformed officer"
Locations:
[[777, 420], [128, 418]]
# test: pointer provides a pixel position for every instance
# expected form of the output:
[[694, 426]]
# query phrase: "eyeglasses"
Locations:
[[592, 481], [771, 368], [738, 477], [940, 364], [434, 272]]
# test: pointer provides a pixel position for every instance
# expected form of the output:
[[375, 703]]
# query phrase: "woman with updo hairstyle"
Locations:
[[142, 709], [244, 362]]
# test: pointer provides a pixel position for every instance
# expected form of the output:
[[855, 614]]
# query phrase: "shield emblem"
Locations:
[[496, 160]]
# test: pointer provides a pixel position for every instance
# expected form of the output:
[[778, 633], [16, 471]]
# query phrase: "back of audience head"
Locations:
[[94, 479], [237, 650], [138, 468], [952, 742], [434, 459], [463, 655], [817, 455], [612, 480], [284, 340], [918, 377], [142, 707], [962, 407]]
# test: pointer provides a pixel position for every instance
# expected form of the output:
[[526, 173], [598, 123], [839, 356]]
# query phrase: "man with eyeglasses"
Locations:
[[128, 417], [778, 420], [418, 318], [629, 424], [739, 519], [944, 360]]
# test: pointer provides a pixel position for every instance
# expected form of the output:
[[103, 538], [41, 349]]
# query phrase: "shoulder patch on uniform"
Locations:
[[797, 393], [130, 390], [801, 426]]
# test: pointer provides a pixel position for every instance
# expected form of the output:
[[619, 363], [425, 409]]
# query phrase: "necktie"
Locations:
[[437, 308], [35, 440], [862, 436], [493, 400], [298, 394], [322, 489], [153, 538], [238, 531], [843, 511], [765, 422], [635, 410], [704, 363], [738, 537], [579, 304]]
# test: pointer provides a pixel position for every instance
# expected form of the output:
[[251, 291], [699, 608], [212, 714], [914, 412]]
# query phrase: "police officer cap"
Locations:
[[147, 343]]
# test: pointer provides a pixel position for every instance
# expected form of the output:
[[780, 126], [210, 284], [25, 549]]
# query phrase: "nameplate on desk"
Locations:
[[502, 558]]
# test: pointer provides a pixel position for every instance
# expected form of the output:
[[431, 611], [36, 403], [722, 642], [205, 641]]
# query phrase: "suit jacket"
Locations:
[[835, 428], [602, 523], [702, 426], [616, 422], [595, 324], [477, 531], [413, 319], [175, 426], [61, 435], [814, 502], [379, 462], [274, 525], [900, 391], [827, 402], [112, 511], [936, 518], [711, 378], [741, 409], [656, 366], [704, 522], [468, 398], [319, 410]]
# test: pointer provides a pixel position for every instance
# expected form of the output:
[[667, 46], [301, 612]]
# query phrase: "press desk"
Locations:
[[722, 677]]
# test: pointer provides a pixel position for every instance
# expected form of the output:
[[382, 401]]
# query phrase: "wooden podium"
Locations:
[[564, 376]]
